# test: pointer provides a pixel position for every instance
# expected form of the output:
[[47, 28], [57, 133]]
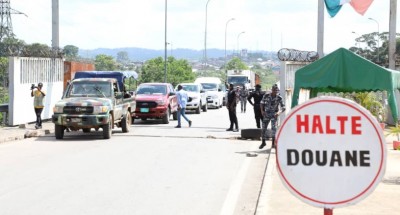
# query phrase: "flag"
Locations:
[[360, 6], [333, 6]]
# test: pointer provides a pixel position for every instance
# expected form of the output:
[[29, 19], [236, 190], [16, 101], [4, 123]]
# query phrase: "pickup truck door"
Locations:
[[118, 102]]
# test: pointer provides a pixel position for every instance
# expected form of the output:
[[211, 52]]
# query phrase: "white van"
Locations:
[[215, 91]]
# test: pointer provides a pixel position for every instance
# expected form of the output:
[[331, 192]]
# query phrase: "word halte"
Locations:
[[317, 124]]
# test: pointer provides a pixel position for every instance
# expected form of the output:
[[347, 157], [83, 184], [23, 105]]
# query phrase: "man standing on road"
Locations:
[[38, 95], [270, 111], [182, 97], [257, 96], [231, 105], [243, 98]]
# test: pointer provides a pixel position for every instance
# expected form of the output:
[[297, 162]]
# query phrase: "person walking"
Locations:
[[270, 105], [182, 98], [257, 96], [231, 106], [243, 94], [38, 105]]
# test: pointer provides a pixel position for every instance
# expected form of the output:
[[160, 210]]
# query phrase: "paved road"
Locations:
[[154, 169]]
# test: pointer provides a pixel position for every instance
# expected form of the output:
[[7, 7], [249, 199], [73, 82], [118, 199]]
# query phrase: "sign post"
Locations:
[[330, 152]]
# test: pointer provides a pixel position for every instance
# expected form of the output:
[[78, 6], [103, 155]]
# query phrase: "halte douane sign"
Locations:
[[330, 152]]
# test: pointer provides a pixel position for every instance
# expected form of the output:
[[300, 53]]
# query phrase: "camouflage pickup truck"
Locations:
[[94, 103]]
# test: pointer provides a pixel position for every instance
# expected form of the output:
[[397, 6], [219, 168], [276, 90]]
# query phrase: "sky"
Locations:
[[268, 25]]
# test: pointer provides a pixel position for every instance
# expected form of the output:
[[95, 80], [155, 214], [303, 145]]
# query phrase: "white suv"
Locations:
[[197, 97]]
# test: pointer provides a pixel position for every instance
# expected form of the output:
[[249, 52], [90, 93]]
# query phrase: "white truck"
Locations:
[[247, 78]]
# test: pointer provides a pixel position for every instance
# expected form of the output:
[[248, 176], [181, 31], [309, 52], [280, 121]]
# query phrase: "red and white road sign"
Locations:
[[330, 152]]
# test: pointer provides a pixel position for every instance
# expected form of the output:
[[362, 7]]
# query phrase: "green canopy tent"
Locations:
[[344, 71]]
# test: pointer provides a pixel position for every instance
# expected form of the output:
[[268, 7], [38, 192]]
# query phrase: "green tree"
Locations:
[[122, 57], [37, 50], [11, 47], [71, 52], [236, 64], [178, 71], [105, 63]]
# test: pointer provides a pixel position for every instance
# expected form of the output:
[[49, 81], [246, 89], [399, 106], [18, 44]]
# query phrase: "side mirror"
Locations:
[[219, 90], [202, 91], [171, 93]]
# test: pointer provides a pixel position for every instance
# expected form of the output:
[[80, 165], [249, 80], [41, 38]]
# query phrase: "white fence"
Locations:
[[287, 74], [23, 72]]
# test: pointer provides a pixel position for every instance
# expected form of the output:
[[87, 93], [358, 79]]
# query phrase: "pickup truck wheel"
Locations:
[[205, 107], [86, 130], [107, 129], [59, 130], [126, 122], [166, 117]]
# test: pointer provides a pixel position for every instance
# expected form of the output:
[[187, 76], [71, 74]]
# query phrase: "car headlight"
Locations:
[[100, 109], [214, 96], [160, 102], [194, 97], [58, 109]]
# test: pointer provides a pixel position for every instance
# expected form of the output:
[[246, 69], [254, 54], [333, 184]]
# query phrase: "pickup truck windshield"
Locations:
[[152, 89], [210, 86], [190, 88], [89, 89]]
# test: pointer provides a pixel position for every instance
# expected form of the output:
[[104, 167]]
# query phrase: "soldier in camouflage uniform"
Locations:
[[270, 111]]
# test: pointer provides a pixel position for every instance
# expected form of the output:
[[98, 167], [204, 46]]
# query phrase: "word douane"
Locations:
[[333, 125], [328, 158]]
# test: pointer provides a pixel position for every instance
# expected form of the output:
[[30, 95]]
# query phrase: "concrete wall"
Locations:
[[23, 72], [287, 76]]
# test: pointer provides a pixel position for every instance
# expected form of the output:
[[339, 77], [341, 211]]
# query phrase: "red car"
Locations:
[[155, 101]]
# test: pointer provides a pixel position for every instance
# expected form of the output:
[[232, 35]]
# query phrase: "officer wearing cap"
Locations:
[[38, 95], [270, 105], [257, 96]]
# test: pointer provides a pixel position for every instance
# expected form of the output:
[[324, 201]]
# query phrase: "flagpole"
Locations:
[[320, 36]]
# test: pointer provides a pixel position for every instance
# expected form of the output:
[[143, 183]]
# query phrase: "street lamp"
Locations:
[[358, 43], [378, 35], [205, 40], [165, 43], [226, 26], [238, 41]]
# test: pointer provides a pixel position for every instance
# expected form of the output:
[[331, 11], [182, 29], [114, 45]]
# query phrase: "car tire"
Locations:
[[86, 130], [251, 133], [165, 119], [126, 122], [205, 107], [107, 129], [59, 131], [198, 110]]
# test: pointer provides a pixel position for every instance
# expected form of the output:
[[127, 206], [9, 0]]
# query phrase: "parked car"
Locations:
[[155, 101], [197, 97], [215, 91]]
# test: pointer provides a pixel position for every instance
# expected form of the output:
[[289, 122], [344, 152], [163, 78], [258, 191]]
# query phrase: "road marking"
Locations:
[[229, 205]]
